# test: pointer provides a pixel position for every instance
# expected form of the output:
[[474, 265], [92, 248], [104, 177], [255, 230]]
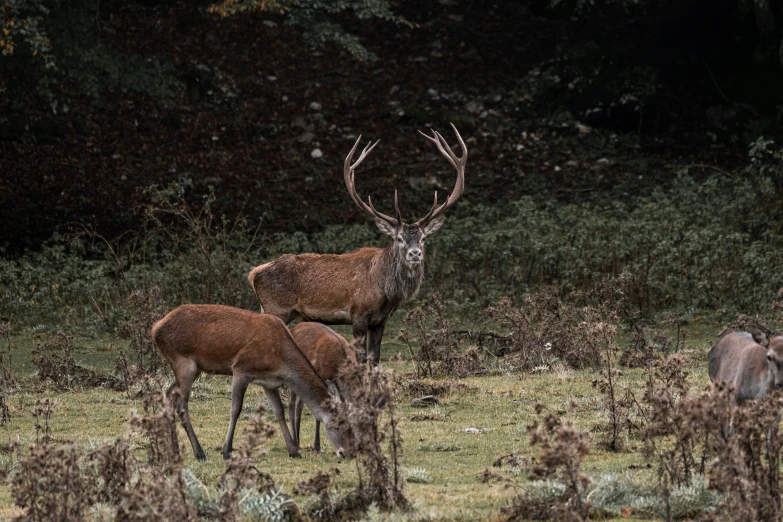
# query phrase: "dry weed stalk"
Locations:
[[7, 378], [55, 362], [366, 392], [562, 450], [241, 472], [618, 403], [50, 485], [746, 467], [42, 412], [61, 481], [321, 485], [145, 308], [550, 325], [433, 346]]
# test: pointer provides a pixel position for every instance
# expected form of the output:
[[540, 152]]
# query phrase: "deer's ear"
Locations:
[[433, 225], [385, 227], [332, 389]]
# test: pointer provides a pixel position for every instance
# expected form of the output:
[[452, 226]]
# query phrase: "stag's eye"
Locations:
[[399, 240], [769, 357]]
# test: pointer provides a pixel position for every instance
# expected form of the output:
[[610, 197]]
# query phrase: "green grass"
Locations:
[[452, 458]]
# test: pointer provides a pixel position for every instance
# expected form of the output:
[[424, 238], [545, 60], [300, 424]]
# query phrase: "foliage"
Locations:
[[716, 251], [550, 326], [21, 22], [313, 19], [61, 481]]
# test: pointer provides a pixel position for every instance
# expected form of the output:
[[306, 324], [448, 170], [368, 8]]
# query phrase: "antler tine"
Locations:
[[457, 163], [348, 173], [429, 214], [397, 207]]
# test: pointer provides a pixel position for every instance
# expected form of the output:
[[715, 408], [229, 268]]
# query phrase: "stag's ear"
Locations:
[[385, 227], [760, 337], [433, 225]]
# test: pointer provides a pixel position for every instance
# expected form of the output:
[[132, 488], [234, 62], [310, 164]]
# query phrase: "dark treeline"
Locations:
[[99, 101]]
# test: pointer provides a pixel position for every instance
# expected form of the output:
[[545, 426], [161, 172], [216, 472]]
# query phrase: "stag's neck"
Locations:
[[399, 281]]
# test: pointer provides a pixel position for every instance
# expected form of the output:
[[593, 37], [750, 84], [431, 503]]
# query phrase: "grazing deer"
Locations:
[[327, 350], [250, 347], [362, 288], [751, 364]]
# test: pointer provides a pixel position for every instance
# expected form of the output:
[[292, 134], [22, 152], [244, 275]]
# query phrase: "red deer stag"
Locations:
[[362, 288], [327, 350], [250, 347], [751, 365]]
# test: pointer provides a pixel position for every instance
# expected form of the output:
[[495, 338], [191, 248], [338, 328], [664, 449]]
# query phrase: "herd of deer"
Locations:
[[362, 288]]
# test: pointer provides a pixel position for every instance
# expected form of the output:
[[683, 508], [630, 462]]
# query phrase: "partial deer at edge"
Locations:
[[365, 287]]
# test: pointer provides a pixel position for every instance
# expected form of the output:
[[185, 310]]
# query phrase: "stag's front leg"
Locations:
[[374, 342]]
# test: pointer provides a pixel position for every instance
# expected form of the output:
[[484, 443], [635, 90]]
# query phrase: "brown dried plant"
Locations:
[[746, 463], [433, 346], [145, 309], [241, 470], [550, 325], [42, 412], [50, 485], [365, 412], [618, 404], [8, 380], [55, 362], [563, 448]]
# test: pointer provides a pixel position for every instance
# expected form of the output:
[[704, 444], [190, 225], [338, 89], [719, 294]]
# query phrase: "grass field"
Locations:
[[499, 405]]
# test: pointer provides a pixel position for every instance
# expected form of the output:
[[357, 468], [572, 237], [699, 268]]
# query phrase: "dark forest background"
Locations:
[[633, 139]]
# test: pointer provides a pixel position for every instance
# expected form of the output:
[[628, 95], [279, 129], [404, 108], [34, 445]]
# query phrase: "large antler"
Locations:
[[457, 163], [349, 182]]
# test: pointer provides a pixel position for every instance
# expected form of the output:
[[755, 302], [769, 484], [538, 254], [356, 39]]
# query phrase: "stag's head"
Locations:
[[409, 237]]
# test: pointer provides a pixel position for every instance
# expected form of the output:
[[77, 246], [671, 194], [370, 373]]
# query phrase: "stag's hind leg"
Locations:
[[185, 373], [374, 342]]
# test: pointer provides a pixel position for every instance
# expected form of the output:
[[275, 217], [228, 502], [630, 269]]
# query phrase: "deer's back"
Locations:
[[314, 282], [739, 361], [325, 348], [215, 336]]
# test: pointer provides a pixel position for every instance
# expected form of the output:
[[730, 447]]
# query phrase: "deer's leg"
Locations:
[[292, 402], [273, 396], [317, 440], [374, 342], [297, 424], [185, 372], [239, 386]]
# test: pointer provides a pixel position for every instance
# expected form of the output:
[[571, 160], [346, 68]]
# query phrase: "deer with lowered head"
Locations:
[[751, 363], [248, 346], [327, 351], [365, 287]]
